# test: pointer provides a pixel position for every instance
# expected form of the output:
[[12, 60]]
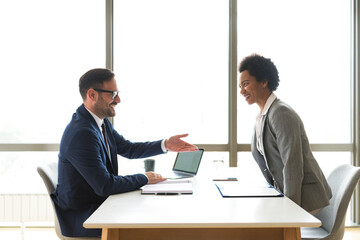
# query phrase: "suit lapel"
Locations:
[[82, 110]]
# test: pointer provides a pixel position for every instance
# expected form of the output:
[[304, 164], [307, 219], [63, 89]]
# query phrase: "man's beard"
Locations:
[[107, 111], [111, 111]]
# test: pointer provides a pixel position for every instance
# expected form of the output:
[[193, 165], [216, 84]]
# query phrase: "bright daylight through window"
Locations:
[[171, 61], [42, 58]]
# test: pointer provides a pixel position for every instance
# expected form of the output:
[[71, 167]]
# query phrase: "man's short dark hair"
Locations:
[[94, 78], [263, 69]]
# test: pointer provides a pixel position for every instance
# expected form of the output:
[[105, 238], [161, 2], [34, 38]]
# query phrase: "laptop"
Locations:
[[186, 164]]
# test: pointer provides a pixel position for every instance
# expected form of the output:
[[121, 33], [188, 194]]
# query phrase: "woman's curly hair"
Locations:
[[263, 69]]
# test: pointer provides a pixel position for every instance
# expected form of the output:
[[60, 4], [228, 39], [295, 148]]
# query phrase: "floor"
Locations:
[[48, 233], [352, 233]]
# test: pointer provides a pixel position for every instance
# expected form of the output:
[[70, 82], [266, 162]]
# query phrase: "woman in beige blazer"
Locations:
[[280, 145]]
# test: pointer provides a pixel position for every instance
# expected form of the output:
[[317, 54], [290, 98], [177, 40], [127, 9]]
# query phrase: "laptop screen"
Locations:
[[188, 162]]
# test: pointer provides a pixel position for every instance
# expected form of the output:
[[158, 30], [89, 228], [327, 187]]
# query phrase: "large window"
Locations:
[[310, 43], [171, 64], [45, 48], [174, 65]]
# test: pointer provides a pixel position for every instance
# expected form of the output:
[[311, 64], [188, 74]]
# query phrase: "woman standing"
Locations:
[[280, 145]]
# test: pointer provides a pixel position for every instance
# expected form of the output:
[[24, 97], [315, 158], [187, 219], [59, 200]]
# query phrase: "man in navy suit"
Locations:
[[88, 168]]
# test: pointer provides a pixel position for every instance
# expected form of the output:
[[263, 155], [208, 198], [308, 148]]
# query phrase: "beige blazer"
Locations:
[[288, 162]]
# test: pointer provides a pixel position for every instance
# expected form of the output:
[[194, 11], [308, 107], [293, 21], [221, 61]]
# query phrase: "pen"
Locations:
[[167, 193], [226, 179]]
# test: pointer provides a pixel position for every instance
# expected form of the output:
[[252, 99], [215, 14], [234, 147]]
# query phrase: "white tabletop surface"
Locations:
[[205, 208]]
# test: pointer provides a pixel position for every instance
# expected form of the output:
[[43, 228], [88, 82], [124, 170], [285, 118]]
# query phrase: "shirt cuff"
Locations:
[[146, 178], [163, 146]]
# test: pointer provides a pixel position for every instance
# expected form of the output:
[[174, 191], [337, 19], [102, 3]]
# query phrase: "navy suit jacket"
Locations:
[[86, 176]]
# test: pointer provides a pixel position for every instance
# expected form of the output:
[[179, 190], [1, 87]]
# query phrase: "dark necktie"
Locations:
[[103, 127]]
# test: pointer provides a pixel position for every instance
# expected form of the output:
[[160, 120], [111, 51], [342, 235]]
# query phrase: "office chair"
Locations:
[[49, 174], [342, 182]]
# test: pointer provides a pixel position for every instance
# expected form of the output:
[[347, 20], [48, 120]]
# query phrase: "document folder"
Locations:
[[234, 189]]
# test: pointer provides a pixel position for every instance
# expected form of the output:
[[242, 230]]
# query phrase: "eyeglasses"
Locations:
[[114, 93]]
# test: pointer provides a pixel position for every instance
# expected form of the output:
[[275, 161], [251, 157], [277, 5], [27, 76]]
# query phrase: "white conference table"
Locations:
[[203, 215]]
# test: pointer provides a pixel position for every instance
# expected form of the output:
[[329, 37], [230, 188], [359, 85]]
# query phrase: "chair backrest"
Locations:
[[49, 174], [342, 182]]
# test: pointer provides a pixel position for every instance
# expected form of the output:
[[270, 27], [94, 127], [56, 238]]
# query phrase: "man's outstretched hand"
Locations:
[[175, 144]]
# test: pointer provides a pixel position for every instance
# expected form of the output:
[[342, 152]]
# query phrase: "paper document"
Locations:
[[169, 187], [234, 189]]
